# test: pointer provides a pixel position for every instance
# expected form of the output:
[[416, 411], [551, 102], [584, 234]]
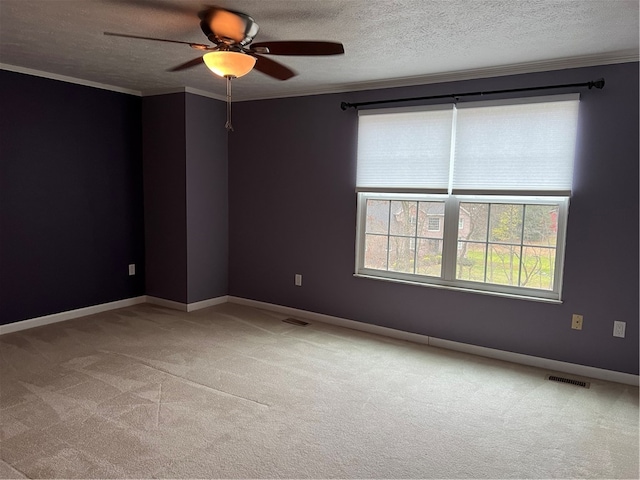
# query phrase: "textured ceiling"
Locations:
[[387, 42]]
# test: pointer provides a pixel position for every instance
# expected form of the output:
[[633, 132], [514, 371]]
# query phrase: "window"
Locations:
[[471, 197], [398, 237], [509, 243]]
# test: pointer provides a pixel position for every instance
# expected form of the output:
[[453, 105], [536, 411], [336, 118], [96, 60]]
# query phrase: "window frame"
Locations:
[[450, 223]]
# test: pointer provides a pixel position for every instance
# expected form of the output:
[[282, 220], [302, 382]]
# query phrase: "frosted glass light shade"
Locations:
[[229, 64]]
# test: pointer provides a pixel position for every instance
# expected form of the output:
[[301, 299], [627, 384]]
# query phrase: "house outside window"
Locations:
[[471, 197]]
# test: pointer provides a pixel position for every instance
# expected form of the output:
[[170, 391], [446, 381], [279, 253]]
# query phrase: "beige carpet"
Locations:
[[234, 392]]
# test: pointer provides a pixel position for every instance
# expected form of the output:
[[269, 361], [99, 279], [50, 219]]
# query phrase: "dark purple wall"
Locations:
[[71, 205], [186, 197], [165, 197], [71, 212], [293, 210], [207, 199]]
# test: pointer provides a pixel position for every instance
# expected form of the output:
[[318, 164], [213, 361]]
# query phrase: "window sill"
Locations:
[[461, 289]]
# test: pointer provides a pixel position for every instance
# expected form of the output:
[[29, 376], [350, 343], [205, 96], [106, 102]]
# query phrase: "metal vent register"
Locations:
[[571, 381], [294, 321]]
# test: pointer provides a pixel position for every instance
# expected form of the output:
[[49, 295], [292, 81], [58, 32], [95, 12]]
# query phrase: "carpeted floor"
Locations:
[[234, 392]]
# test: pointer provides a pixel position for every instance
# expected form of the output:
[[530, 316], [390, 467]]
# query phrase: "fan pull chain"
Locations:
[[228, 125]]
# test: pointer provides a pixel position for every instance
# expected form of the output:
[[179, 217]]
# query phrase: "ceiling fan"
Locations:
[[233, 32], [233, 53]]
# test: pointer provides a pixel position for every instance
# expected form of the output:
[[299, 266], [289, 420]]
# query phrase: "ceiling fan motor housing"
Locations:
[[228, 28]]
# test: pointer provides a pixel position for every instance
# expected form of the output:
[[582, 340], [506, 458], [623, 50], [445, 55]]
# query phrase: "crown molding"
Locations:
[[193, 91], [162, 91], [202, 93], [65, 78], [104, 86], [517, 69]]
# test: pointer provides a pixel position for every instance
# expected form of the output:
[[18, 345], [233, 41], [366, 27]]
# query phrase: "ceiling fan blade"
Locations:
[[301, 47], [191, 63], [199, 46], [273, 68], [156, 5]]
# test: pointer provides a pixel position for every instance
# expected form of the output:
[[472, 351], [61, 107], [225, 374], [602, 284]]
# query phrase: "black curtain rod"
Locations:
[[599, 83]]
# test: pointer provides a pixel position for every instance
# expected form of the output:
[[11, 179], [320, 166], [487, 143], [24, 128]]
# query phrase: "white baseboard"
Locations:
[[104, 307], [187, 307], [539, 362], [207, 303], [68, 315], [544, 363], [162, 302], [341, 322]]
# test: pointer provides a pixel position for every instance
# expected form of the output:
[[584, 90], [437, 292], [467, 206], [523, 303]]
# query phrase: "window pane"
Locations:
[[429, 257], [377, 216], [401, 255], [375, 254], [430, 219], [538, 267], [471, 261], [505, 223], [541, 225], [403, 218], [503, 265], [473, 221]]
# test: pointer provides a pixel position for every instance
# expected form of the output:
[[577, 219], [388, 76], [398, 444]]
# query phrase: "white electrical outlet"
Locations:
[[132, 269], [298, 280], [619, 328]]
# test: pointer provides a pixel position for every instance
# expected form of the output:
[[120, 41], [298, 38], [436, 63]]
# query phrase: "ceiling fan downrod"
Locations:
[[228, 125]]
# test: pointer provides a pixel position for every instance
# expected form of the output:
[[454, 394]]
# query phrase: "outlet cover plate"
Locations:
[[576, 322], [619, 329]]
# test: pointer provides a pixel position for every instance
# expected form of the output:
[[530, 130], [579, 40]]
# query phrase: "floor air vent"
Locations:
[[578, 383], [293, 321]]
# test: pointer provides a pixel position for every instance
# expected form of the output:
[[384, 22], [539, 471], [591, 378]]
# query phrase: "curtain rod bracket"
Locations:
[[599, 84]]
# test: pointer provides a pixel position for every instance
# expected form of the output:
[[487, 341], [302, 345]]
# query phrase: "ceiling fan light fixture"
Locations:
[[229, 64]]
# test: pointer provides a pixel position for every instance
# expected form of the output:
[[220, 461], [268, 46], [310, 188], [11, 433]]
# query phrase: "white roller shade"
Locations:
[[516, 146], [404, 150]]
